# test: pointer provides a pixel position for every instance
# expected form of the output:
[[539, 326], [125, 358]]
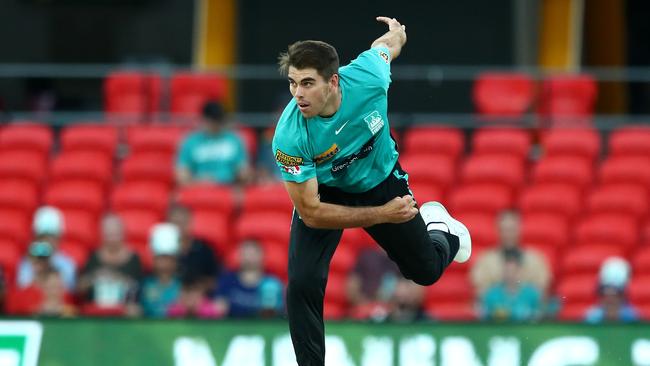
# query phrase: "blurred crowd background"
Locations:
[[137, 177]]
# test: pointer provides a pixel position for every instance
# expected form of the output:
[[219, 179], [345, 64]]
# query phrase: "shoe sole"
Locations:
[[440, 205]]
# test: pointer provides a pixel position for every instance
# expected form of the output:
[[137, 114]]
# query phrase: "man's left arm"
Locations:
[[394, 39]]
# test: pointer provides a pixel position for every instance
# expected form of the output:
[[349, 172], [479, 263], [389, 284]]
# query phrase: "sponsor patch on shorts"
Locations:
[[286, 159]]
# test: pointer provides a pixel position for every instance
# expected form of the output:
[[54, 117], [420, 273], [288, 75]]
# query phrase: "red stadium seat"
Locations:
[[432, 170], [96, 138], [609, 229], [618, 199], [190, 91], [208, 197], [574, 312], [249, 137], [553, 199], [336, 288], [639, 289], [161, 139], [27, 166], [506, 141], [641, 261], [564, 170], [75, 195], [426, 192], [447, 141], [81, 227], [148, 167], [140, 196], [580, 143], [18, 195], [15, 226], [333, 311], [137, 224], [452, 287], [263, 226], [482, 228], [10, 256], [630, 141], [463, 312], [36, 138], [625, 170], [214, 228], [488, 199], [580, 289], [544, 230], [276, 261], [94, 310], [132, 93], [358, 239], [568, 95], [267, 198], [89, 166], [24, 301], [503, 94], [344, 259], [587, 259], [504, 170], [77, 251]]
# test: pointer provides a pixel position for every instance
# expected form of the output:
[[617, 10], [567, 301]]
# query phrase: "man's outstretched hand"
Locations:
[[393, 24]]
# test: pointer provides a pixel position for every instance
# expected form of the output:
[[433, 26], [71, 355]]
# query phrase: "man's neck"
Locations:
[[333, 106]]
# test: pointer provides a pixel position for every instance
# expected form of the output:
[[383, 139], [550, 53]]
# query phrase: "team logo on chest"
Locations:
[[328, 154], [374, 121]]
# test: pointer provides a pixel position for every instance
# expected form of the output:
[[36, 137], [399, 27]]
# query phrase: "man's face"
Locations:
[[311, 92]]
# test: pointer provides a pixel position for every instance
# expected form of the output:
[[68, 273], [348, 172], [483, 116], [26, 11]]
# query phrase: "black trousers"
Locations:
[[420, 255]]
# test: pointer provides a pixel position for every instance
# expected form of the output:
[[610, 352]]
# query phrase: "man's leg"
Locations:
[[310, 253]]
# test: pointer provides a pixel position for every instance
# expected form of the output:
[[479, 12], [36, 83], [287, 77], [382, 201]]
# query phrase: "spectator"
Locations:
[[214, 153], [55, 301], [196, 259], [489, 267], [513, 298], [613, 306], [162, 289], [48, 226], [193, 302], [371, 283], [111, 275], [250, 292], [406, 303]]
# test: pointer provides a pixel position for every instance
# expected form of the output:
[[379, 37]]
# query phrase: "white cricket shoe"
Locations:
[[435, 213]]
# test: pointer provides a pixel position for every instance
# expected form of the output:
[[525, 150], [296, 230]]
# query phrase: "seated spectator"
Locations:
[[250, 292], [196, 259], [48, 226], [406, 304], [56, 302], [214, 153], [160, 290], [111, 275], [488, 269], [371, 283], [193, 302], [514, 298], [613, 306]]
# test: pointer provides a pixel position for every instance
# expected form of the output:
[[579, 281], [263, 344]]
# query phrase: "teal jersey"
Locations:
[[212, 157], [352, 150]]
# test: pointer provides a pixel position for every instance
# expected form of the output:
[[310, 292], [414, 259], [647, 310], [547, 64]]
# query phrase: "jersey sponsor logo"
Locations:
[[374, 121], [385, 56], [339, 167], [286, 159], [328, 154], [293, 170]]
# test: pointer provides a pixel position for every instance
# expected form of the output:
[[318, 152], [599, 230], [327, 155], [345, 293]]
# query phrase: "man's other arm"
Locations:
[[394, 39]]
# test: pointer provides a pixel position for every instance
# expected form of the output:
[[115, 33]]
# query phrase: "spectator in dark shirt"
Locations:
[[195, 259], [193, 302], [371, 284]]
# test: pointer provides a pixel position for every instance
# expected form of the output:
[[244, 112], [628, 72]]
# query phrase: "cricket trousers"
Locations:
[[420, 255]]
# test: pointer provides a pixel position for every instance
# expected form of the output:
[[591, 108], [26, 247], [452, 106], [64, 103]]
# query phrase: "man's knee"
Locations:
[[427, 277]]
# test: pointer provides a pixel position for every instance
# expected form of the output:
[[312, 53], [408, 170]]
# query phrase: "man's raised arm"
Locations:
[[394, 39]]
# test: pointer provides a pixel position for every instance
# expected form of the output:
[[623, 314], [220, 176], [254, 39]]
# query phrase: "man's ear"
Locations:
[[334, 80]]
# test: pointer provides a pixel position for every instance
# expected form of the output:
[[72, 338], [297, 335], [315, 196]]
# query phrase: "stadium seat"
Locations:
[[89, 166], [130, 93], [505, 141], [573, 312], [479, 198], [77, 251], [28, 166], [580, 289], [552, 199], [482, 228], [632, 141], [214, 228], [81, 227], [23, 301], [267, 198], [208, 197], [625, 170], [263, 226], [607, 229], [564, 170], [430, 140], [140, 196], [504, 170], [452, 312], [15, 226], [249, 137], [544, 230], [568, 95], [94, 310], [641, 261], [336, 288], [161, 139], [451, 287], [565, 142], [10, 256], [358, 239], [639, 289], [629, 200], [75, 195], [423, 192], [333, 311], [587, 259], [18, 195], [36, 138], [432, 170], [190, 91], [503, 94], [148, 167], [95, 138], [137, 224], [344, 259]]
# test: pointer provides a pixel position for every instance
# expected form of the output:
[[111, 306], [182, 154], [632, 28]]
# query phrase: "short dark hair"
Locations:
[[310, 54], [213, 110]]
